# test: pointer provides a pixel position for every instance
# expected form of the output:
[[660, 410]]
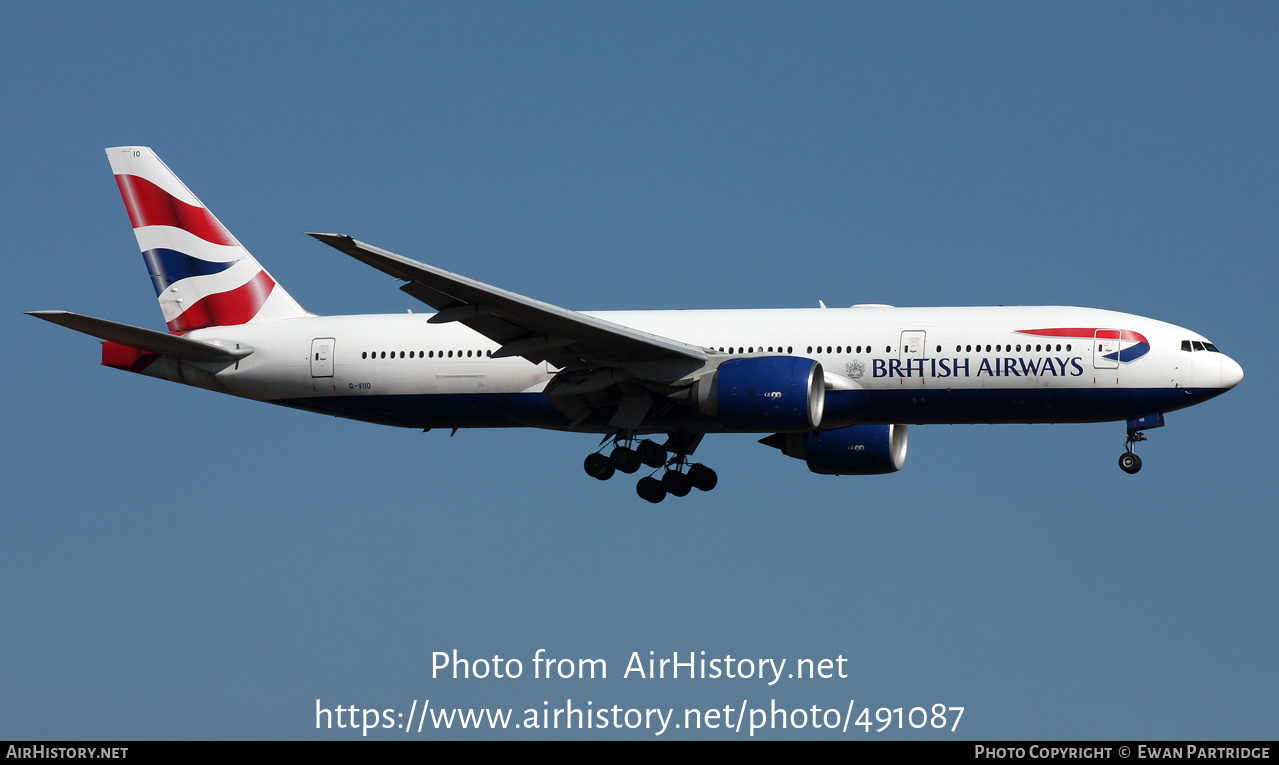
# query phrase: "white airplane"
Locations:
[[834, 387]]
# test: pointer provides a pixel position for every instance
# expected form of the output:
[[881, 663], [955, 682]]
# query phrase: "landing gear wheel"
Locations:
[[677, 483], [651, 453], [650, 489], [702, 477], [598, 466], [1129, 462], [625, 460]]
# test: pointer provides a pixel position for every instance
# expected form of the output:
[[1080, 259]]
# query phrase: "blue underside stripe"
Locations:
[[505, 410]]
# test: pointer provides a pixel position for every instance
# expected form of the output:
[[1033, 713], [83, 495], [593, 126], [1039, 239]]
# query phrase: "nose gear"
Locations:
[[1129, 462]]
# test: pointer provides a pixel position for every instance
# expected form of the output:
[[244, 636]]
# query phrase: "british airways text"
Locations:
[[1005, 366]]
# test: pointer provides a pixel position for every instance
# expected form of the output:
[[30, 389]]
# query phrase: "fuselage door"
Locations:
[[1183, 372], [1105, 349], [913, 344], [322, 357], [912, 350]]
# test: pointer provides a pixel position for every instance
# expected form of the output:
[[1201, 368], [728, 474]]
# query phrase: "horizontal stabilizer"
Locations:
[[142, 339]]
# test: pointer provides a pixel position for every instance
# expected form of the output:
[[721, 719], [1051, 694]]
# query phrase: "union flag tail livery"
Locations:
[[833, 387], [203, 277]]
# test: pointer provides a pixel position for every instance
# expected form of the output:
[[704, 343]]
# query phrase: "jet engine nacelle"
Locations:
[[855, 450], [763, 393]]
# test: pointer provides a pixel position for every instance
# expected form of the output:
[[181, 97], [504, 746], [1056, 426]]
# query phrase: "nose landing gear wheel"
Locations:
[[1129, 462]]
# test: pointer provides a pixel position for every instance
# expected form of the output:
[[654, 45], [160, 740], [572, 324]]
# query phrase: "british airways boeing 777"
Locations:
[[835, 387]]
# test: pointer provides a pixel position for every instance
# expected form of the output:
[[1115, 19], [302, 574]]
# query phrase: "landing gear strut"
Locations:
[[1129, 462]]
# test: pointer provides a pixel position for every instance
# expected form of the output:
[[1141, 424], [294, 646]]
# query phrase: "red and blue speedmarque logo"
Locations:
[[1130, 345]]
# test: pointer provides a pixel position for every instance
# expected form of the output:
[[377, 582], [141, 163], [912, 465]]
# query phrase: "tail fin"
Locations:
[[203, 277]]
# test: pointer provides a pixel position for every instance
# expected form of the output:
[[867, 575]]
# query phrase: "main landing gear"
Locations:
[[1129, 462], [680, 476]]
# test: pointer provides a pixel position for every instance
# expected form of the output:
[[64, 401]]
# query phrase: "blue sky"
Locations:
[[182, 565]]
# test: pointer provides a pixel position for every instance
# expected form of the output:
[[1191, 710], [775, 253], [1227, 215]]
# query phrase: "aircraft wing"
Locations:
[[522, 326]]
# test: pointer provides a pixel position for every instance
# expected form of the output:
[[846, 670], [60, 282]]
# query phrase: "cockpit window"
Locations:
[[1198, 345]]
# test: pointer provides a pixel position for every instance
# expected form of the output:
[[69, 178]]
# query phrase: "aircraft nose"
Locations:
[[1231, 372]]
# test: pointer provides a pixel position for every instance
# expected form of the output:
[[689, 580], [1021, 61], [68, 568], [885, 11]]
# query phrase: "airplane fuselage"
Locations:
[[1007, 364]]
